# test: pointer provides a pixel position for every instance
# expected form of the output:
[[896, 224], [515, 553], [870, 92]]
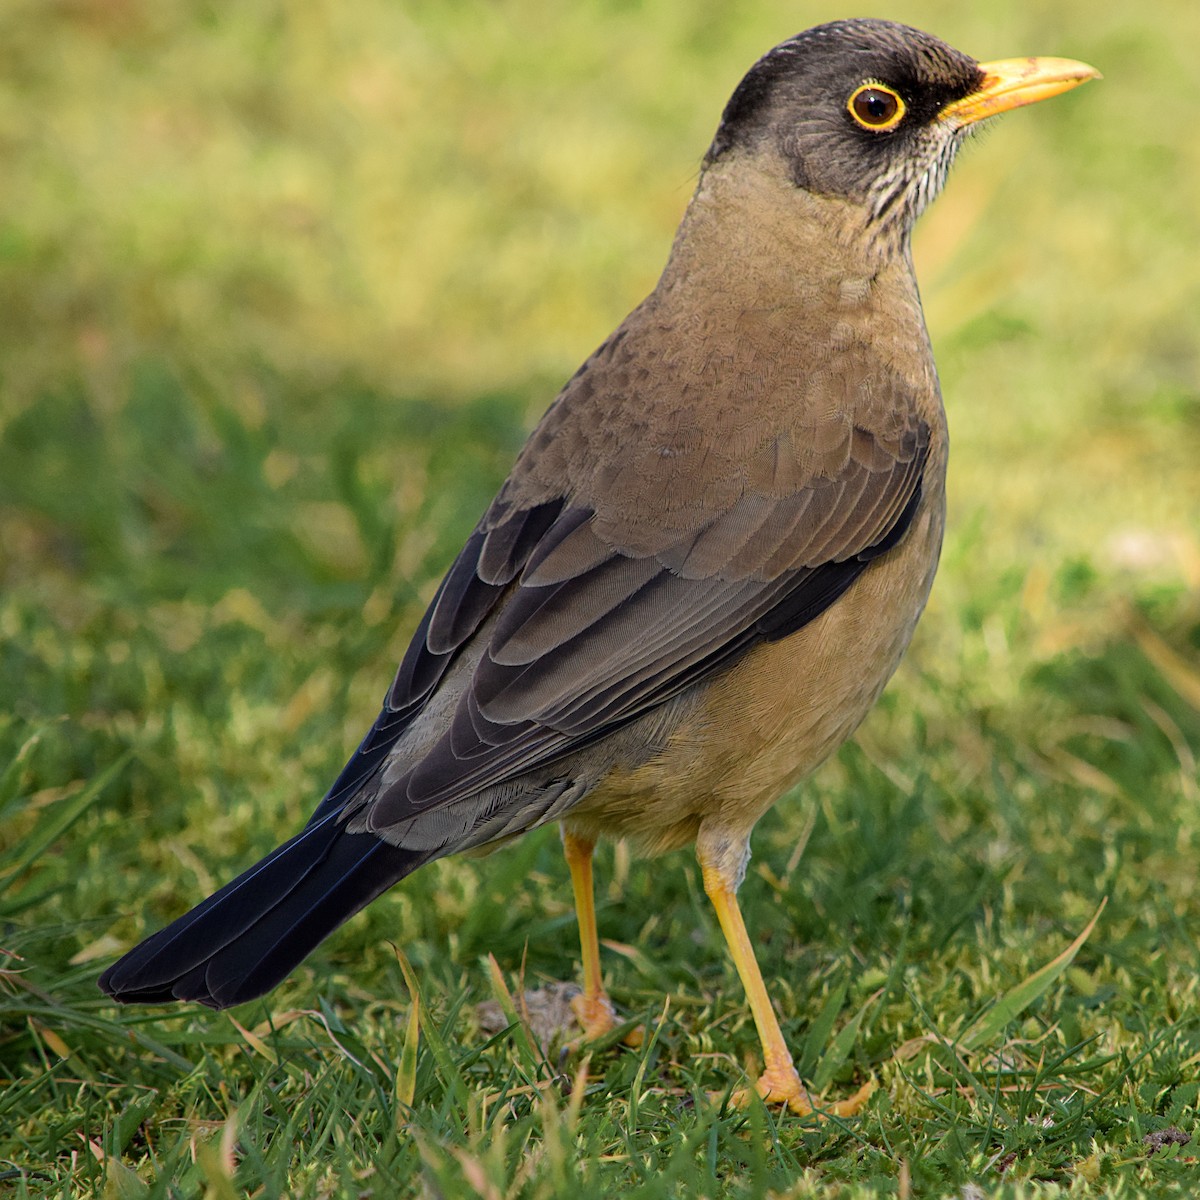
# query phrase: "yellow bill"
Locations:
[[1013, 82]]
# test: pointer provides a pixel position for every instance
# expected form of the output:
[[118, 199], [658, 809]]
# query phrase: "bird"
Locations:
[[707, 561]]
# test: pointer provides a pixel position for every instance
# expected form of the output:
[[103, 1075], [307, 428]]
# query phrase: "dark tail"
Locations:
[[246, 938]]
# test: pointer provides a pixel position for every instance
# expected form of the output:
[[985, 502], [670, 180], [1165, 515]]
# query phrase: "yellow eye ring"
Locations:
[[876, 107]]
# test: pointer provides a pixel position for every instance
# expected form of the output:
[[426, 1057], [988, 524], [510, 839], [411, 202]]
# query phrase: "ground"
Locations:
[[283, 288]]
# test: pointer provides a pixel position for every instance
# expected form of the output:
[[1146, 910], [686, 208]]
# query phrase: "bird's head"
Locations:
[[873, 112]]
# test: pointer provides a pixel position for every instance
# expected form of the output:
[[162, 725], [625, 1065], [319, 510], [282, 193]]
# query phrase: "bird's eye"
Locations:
[[876, 107]]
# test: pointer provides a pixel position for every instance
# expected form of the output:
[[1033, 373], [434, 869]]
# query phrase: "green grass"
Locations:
[[282, 289]]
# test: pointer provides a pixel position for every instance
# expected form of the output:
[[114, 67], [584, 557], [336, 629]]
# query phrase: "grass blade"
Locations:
[[68, 812], [1018, 999], [406, 1072]]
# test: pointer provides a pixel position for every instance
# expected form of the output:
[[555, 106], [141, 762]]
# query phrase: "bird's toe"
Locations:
[[785, 1087]]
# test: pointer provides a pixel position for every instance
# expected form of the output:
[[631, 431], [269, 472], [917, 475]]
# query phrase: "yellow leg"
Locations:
[[779, 1083], [594, 1009]]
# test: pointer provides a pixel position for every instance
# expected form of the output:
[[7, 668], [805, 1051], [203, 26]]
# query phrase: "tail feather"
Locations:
[[247, 937]]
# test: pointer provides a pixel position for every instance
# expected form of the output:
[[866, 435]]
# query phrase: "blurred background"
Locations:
[[284, 285]]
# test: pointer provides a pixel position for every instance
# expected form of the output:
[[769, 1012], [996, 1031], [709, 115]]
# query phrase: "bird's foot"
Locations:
[[597, 1018], [595, 1014], [782, 1085]]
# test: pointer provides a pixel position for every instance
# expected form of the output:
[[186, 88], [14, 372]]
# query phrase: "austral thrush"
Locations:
[[709, 556]]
